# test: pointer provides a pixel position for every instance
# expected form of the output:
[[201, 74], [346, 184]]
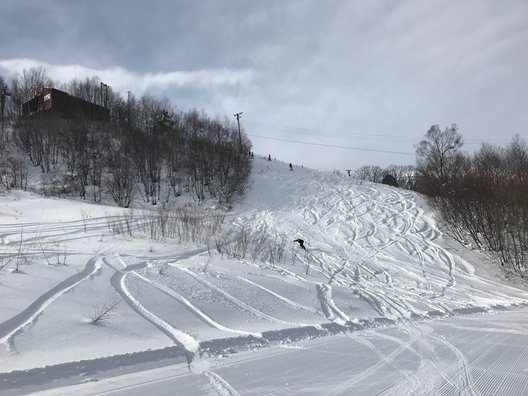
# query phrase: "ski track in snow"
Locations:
[[235, 300], [330, 309], [463, 379], [369, 241], [220, 385], [60, 232], [184, 340], [393, 305], [187, 304], [12, 326], [282, 298], [385, 360]]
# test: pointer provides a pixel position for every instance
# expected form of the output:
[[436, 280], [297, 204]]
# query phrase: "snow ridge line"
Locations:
[[28, 315], [83, 368], [201, 315]]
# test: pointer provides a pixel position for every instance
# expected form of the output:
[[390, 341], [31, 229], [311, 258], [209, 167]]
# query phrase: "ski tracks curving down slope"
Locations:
[[374, 256], [375, 242]]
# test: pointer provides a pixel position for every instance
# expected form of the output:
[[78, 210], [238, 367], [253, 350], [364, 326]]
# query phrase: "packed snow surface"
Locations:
[[374, 258]]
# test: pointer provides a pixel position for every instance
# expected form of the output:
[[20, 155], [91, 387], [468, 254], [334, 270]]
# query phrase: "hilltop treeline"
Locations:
[[483, 197], [147, 147], [396, 175]]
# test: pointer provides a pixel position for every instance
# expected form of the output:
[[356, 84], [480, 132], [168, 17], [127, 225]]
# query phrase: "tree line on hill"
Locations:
[[482, 197], [150, 148], [394, 175], [146, 147]]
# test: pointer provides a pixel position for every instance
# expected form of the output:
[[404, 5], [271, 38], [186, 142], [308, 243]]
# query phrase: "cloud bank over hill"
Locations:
[[124, 80]]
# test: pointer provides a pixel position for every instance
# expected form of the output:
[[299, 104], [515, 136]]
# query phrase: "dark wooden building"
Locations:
[[51, 101]]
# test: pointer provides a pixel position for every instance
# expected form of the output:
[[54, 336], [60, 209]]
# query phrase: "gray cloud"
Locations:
[[123, 80], [371, 74]]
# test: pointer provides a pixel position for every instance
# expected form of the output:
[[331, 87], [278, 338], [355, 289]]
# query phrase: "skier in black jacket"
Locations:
[[301, 243]]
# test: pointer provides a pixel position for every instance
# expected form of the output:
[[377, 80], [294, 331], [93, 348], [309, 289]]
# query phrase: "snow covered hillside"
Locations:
[[374, 256]]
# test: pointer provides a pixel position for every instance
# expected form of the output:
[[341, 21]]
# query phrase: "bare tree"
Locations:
[[517, 159], [120, 183], [13, 172], [436, 155], [483, 201], [489, 162], [25, 86], [145, 143], [405, 175], [372, 173]]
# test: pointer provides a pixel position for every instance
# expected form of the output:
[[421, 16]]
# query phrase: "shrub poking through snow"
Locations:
[[103, 313], [254, 245], [187, 224]]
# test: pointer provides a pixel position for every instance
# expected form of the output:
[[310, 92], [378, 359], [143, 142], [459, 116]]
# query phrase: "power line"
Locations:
[[332, 145], [344, 134], [357, 136]]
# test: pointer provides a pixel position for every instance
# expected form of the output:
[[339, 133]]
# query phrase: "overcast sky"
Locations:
[[369, 74]]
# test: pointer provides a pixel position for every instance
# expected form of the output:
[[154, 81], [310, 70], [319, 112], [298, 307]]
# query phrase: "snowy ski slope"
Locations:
[[374, 257]]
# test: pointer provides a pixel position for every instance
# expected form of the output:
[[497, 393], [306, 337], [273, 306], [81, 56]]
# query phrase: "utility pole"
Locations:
[[238, 115], [104, 94], [3, 94], [128, 107]]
